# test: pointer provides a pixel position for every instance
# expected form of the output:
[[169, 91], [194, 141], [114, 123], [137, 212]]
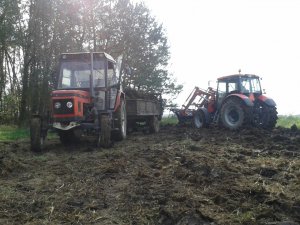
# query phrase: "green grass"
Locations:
[[12, 133], [169, 120], [288, 121]]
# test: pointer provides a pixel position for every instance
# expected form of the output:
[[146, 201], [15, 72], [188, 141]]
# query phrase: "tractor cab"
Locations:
[[93, 73], [247, 85], [238, 83]]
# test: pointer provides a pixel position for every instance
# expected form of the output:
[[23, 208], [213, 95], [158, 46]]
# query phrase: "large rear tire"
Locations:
[[267, 117], [234, 114], [120, 123], [272, 118], [36, 138], [105, 135]]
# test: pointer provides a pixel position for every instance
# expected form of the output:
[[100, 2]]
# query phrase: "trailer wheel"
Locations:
[[36, 138], [121, 123], [199, 120], [105, 133], [233, 116], [154, 124]]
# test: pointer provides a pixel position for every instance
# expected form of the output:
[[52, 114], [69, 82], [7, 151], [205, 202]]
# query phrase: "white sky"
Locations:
[[213, 38]]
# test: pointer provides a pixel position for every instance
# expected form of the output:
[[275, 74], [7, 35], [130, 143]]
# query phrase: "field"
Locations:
[[179, 176]]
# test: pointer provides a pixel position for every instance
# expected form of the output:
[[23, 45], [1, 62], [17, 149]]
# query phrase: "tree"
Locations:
[[130, 30], [9, 56], [35, 32]]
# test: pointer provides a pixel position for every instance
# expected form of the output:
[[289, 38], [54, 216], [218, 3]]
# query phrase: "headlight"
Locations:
[[69, 105], [57, 105]]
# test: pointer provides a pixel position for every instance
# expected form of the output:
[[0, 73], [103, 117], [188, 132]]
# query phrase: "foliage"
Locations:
[[169, 120], [10, 133], [35, 32], [288, 121]]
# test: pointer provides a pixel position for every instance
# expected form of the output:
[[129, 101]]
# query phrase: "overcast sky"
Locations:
[[213, 38]]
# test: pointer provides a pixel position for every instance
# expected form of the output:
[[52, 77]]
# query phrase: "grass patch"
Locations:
[[170, 120], [12, 133], [288, 121]]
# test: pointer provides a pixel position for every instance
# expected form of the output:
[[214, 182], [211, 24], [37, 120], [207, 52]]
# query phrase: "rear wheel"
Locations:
[[199, 120], [36, 137], [233, 114], [120, 123], [266, 117], [105, 133], [154, 124]]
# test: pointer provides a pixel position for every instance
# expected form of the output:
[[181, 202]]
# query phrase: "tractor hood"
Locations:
[[68, 105]]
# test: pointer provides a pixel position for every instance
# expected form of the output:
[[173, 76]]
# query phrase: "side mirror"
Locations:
[[264, 91]]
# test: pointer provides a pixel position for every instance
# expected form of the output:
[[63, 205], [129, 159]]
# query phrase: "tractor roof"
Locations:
[[234, 76], [86, 55]]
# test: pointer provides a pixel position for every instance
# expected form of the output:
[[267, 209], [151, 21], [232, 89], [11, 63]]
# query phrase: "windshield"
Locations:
[[250, 85], [76, 74]]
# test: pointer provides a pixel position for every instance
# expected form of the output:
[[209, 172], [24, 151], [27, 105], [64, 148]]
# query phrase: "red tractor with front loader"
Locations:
[[89, 100], [237, 102]]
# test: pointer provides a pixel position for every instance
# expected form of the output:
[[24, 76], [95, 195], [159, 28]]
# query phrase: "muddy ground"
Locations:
[[179, 176]]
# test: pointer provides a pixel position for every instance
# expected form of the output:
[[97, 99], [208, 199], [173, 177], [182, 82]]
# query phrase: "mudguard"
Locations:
[[266, 100], [206, 114], [245, 99]]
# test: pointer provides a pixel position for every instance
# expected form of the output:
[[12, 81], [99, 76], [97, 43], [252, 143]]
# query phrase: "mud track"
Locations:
[[179, 176]]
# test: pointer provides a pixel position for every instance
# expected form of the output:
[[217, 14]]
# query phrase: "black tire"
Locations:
[[120, 123], [272, 120], [267, 117], [105, 135], [199, 120], [153, 124], [36, 138], [234, 114]]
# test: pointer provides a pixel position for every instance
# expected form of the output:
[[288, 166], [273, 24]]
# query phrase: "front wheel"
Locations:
[[36, 137], [199, 120], [233, 114]]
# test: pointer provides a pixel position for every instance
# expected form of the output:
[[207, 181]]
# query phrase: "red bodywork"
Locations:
[[79, 98]]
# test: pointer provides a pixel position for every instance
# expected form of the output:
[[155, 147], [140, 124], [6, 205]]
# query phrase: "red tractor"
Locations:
[[238, 101], [88, 100]]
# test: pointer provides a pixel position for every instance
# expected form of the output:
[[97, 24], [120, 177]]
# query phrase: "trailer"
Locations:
[[146, 109]]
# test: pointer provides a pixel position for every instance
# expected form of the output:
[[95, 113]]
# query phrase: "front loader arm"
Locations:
[[204, 96]]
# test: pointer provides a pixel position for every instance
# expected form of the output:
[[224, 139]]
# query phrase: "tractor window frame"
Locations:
[[77, 72]]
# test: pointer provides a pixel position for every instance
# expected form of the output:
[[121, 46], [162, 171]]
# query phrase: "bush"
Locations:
[[288, 121]]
